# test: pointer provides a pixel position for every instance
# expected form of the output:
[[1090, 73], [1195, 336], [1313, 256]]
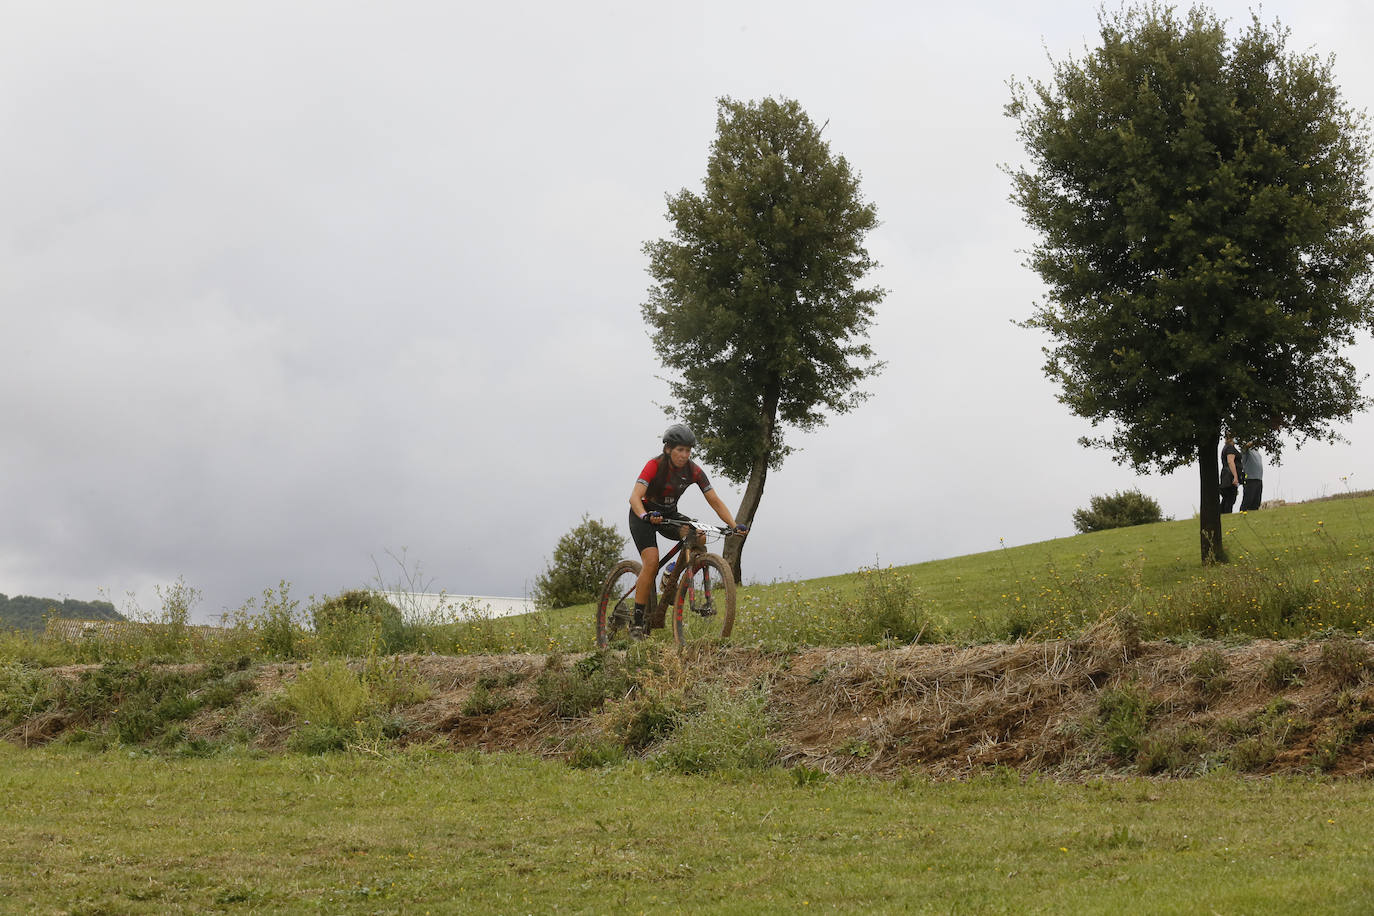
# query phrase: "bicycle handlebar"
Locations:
[[721, 530]]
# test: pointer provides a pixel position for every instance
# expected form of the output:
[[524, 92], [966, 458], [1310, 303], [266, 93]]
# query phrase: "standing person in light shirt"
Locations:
[[1252, 460]]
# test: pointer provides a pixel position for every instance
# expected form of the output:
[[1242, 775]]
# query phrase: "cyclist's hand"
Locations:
[[741, 530], [653, 518]]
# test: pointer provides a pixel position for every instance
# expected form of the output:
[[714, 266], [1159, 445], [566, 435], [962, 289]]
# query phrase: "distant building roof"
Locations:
[[443, 606]]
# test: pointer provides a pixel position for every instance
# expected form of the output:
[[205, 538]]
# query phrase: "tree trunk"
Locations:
[[1209, 505], [748, 505], [753, 490]]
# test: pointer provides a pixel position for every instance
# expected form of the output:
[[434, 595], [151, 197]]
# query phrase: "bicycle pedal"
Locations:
[[638, 632]]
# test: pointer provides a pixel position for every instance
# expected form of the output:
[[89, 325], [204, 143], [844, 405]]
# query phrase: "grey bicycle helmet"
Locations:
[[679, 434]]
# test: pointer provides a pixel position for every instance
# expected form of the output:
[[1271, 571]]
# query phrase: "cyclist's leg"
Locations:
[[644, 588], [645, 537]]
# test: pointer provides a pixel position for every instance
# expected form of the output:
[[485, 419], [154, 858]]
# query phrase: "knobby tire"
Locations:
[[705, 606], [615, 608]]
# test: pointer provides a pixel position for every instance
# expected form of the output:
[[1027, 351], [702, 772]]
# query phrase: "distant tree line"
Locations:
[[24, 612]]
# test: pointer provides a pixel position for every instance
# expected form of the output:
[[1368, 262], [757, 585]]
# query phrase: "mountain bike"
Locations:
[[698, 586]]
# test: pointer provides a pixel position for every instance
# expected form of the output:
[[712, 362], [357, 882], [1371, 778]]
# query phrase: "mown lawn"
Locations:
[[424, 832]]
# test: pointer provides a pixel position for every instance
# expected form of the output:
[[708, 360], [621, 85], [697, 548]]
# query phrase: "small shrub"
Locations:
[[225, 691], [358, 622], [650, 720], [889, 607], [581, 561], [1119, 837], [499, 681], [857, 748], [1119, 510], [393, 682], [281, 632]]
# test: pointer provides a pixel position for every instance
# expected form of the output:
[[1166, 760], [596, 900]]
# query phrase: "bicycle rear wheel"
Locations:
[[616, 607], [705, 606]]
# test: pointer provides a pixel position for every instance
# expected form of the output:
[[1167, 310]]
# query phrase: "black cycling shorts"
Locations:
[[643, 533]]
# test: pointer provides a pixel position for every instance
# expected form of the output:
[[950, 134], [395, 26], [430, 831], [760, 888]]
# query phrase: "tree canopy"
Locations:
[[1203, 233], [757, 309]]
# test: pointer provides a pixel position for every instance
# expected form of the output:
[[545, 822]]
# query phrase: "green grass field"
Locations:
[[426, 832]]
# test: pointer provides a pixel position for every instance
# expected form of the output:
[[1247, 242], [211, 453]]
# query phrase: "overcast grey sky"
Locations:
[[289, 286]]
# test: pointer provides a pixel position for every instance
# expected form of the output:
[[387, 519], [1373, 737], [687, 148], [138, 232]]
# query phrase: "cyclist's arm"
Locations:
[[713, 498], [637, 499]]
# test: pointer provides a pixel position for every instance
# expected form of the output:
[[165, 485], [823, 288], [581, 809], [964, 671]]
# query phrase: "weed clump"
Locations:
[[1344, 659], [1170, 751], [1282, 671], [581, 688], [1123, 714], [1209, 671], [328, 693], [889, 608], [596, 754], [483, 701], [720, 730]]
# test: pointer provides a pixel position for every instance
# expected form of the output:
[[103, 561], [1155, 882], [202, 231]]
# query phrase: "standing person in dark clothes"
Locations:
[[1252, 462], [1230, 474]]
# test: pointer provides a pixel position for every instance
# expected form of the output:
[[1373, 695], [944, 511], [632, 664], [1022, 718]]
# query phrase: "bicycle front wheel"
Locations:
[[705, 607], [616, 607]]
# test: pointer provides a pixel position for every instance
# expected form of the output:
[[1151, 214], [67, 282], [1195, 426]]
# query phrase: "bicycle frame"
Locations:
[[694, 529], [699, 589]]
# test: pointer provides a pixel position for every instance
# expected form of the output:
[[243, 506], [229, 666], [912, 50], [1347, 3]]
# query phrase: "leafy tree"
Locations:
[[581, 561], [1120, 510], [1202, 214], [756, 307]]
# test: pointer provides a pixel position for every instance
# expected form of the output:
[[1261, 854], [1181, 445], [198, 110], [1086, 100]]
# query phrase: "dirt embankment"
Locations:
[[1072, 708]]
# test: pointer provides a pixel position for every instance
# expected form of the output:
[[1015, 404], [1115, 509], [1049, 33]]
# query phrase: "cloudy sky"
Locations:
[[291, 288]]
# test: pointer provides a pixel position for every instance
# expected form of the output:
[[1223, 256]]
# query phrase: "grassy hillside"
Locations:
[[1294, 570], [23, 612], [1287, 563]]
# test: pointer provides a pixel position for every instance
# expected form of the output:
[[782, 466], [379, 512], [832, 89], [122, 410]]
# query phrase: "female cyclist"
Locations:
[[654, 499]]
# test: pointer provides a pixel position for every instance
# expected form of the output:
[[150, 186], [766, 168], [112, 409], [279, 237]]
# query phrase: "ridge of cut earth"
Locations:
[[1100, 704]]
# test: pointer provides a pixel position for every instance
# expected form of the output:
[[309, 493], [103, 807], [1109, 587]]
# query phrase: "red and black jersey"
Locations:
[[665, 484]]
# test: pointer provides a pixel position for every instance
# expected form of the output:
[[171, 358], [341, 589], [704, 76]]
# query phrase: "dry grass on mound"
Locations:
[[1104, 703]]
